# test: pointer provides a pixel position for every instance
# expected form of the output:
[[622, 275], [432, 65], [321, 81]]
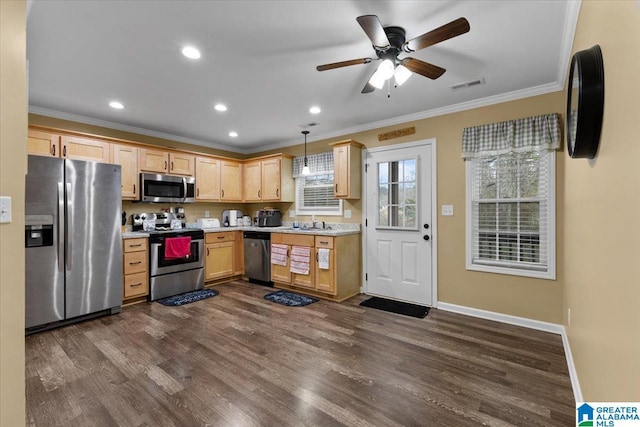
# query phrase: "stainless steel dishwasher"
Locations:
[[257, 257]]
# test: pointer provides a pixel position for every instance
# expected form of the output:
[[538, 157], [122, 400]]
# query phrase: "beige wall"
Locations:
[[602, 216], [13, 167]]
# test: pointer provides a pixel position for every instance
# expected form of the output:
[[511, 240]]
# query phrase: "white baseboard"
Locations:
[[553, 328]]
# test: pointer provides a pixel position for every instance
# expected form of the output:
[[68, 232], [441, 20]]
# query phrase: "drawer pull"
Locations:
[[134, 263], [135, 284], [135, 246], [323, 243], [220, 237]]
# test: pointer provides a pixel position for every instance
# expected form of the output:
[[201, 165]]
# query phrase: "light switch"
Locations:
[[447, 210], [347, 213], [5, 209], [207, 214]]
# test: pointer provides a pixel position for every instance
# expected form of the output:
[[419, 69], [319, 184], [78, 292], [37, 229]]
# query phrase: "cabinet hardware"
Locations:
[[171, 165], [259, 194], [323, 243], [336, 188], [165, 165], [207, 251], [277, 192], [317, 260], [134, 189], [197, 192], [222, 192], [64, 151], [136, 284], [220, 237], [53, 150], [134, 263], [135, 246]]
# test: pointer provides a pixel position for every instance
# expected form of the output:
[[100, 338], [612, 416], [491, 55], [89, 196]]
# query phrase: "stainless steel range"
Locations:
[[172, 276]]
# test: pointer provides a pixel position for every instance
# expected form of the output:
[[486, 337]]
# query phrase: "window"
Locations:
[[314, 192], [397, 194], [511, 213]]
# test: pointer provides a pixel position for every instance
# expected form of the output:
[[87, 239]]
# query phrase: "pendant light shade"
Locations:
[[305, 169]]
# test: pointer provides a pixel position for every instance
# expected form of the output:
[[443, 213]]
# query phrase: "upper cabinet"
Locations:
[[347, 164], [90, 150], [43, 143], [230, 181], [127, 157], [207, 179], [269, 179], [161, 161]]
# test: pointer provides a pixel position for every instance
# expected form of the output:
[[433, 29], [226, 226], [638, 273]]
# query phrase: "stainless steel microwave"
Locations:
[[158, 188]]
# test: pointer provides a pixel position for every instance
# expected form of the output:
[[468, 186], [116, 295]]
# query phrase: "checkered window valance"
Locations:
[[514, 136], [319, 164]]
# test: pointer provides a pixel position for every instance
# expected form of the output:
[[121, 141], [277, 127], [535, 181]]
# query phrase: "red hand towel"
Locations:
[[177, 247]]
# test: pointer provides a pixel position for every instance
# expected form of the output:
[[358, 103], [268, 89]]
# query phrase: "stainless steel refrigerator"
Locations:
[[73, 246]]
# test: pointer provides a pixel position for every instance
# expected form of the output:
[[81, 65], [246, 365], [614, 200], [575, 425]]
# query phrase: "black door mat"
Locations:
[[289, 299], [188, 297], [397, 307]]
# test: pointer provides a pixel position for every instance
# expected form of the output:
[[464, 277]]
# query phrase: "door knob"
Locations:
[[425, 237], [426, 226]]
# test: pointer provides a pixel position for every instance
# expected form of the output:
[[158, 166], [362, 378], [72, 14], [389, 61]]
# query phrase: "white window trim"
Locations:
[[307, 212], [551, 215]]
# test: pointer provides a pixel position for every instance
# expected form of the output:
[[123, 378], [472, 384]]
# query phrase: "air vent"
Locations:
[[468, 84], [309, 125]]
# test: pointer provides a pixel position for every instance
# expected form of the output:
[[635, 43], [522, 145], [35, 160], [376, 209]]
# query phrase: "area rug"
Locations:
[[188, 297], [289, 299], [398, 307]]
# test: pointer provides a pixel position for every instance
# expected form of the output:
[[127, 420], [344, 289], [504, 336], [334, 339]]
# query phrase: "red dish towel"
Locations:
[[177, 247]]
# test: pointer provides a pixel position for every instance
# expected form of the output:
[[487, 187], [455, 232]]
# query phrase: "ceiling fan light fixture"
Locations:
[[385, 69], [401, 74], [377, 81]]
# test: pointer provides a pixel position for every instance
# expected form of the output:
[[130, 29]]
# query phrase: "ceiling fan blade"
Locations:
[[440, 34], [423, 68], [374, 30], [333, 65]]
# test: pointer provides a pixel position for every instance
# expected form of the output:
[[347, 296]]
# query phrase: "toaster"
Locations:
[[269, 218]]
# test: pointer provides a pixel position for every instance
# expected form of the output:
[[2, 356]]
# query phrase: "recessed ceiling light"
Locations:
[[314, 110], [117, 105], [191, 52], [220, 107], [233, 134]]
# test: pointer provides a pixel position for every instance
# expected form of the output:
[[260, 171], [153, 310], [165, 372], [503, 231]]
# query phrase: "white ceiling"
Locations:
[[259, 58]]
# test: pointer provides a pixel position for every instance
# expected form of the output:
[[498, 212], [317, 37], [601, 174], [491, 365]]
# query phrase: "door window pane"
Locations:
[[397, 194]]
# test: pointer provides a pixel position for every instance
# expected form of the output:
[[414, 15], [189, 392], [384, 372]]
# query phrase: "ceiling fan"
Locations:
[[389, 42]]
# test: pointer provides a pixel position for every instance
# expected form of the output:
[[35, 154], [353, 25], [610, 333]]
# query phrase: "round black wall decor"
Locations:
[[585, 103]]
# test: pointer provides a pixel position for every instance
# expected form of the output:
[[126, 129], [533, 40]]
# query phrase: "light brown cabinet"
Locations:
[[338, 280], [127, 157], [230, 181], [136, 268], [347, 165], [207, 179], [269, 179], [161, 161], [223, 255], [41, 143]]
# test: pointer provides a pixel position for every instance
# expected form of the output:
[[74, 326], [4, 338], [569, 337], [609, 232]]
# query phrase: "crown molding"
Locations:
[[570, 24]]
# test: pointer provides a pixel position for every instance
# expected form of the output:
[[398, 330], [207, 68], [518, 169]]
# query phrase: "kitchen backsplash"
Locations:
[[193, 211]]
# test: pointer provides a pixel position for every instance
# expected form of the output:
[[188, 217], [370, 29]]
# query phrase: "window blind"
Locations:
[[510, 210]]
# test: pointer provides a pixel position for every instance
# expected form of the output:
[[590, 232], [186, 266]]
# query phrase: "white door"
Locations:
[[399, 226]]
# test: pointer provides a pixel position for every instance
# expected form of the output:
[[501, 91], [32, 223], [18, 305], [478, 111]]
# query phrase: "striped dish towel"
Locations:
[[300, 259], [279, 254]]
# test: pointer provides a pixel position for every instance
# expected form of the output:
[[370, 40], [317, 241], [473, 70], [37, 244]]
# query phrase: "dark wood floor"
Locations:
[[237, 360]]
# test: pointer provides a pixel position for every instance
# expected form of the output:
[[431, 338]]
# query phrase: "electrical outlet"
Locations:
[[207, 214], [569, 316], [5, 209], [347, 213], [447, 210]]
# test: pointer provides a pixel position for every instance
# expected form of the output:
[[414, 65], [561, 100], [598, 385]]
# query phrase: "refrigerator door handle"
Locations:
[[69, 226], [61, 227]]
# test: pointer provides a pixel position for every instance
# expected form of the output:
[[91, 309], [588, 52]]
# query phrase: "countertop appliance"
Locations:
[[208, 223], [257, 257], [73, 241], [177, 275], [269, 218], [167, 188], [234, 216]]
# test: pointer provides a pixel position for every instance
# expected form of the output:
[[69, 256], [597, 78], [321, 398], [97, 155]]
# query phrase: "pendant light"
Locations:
[[305, 169]]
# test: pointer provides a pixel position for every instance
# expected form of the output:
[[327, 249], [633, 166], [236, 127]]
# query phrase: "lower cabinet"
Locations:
[[136, 268], [223, 255], [334, 265]]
